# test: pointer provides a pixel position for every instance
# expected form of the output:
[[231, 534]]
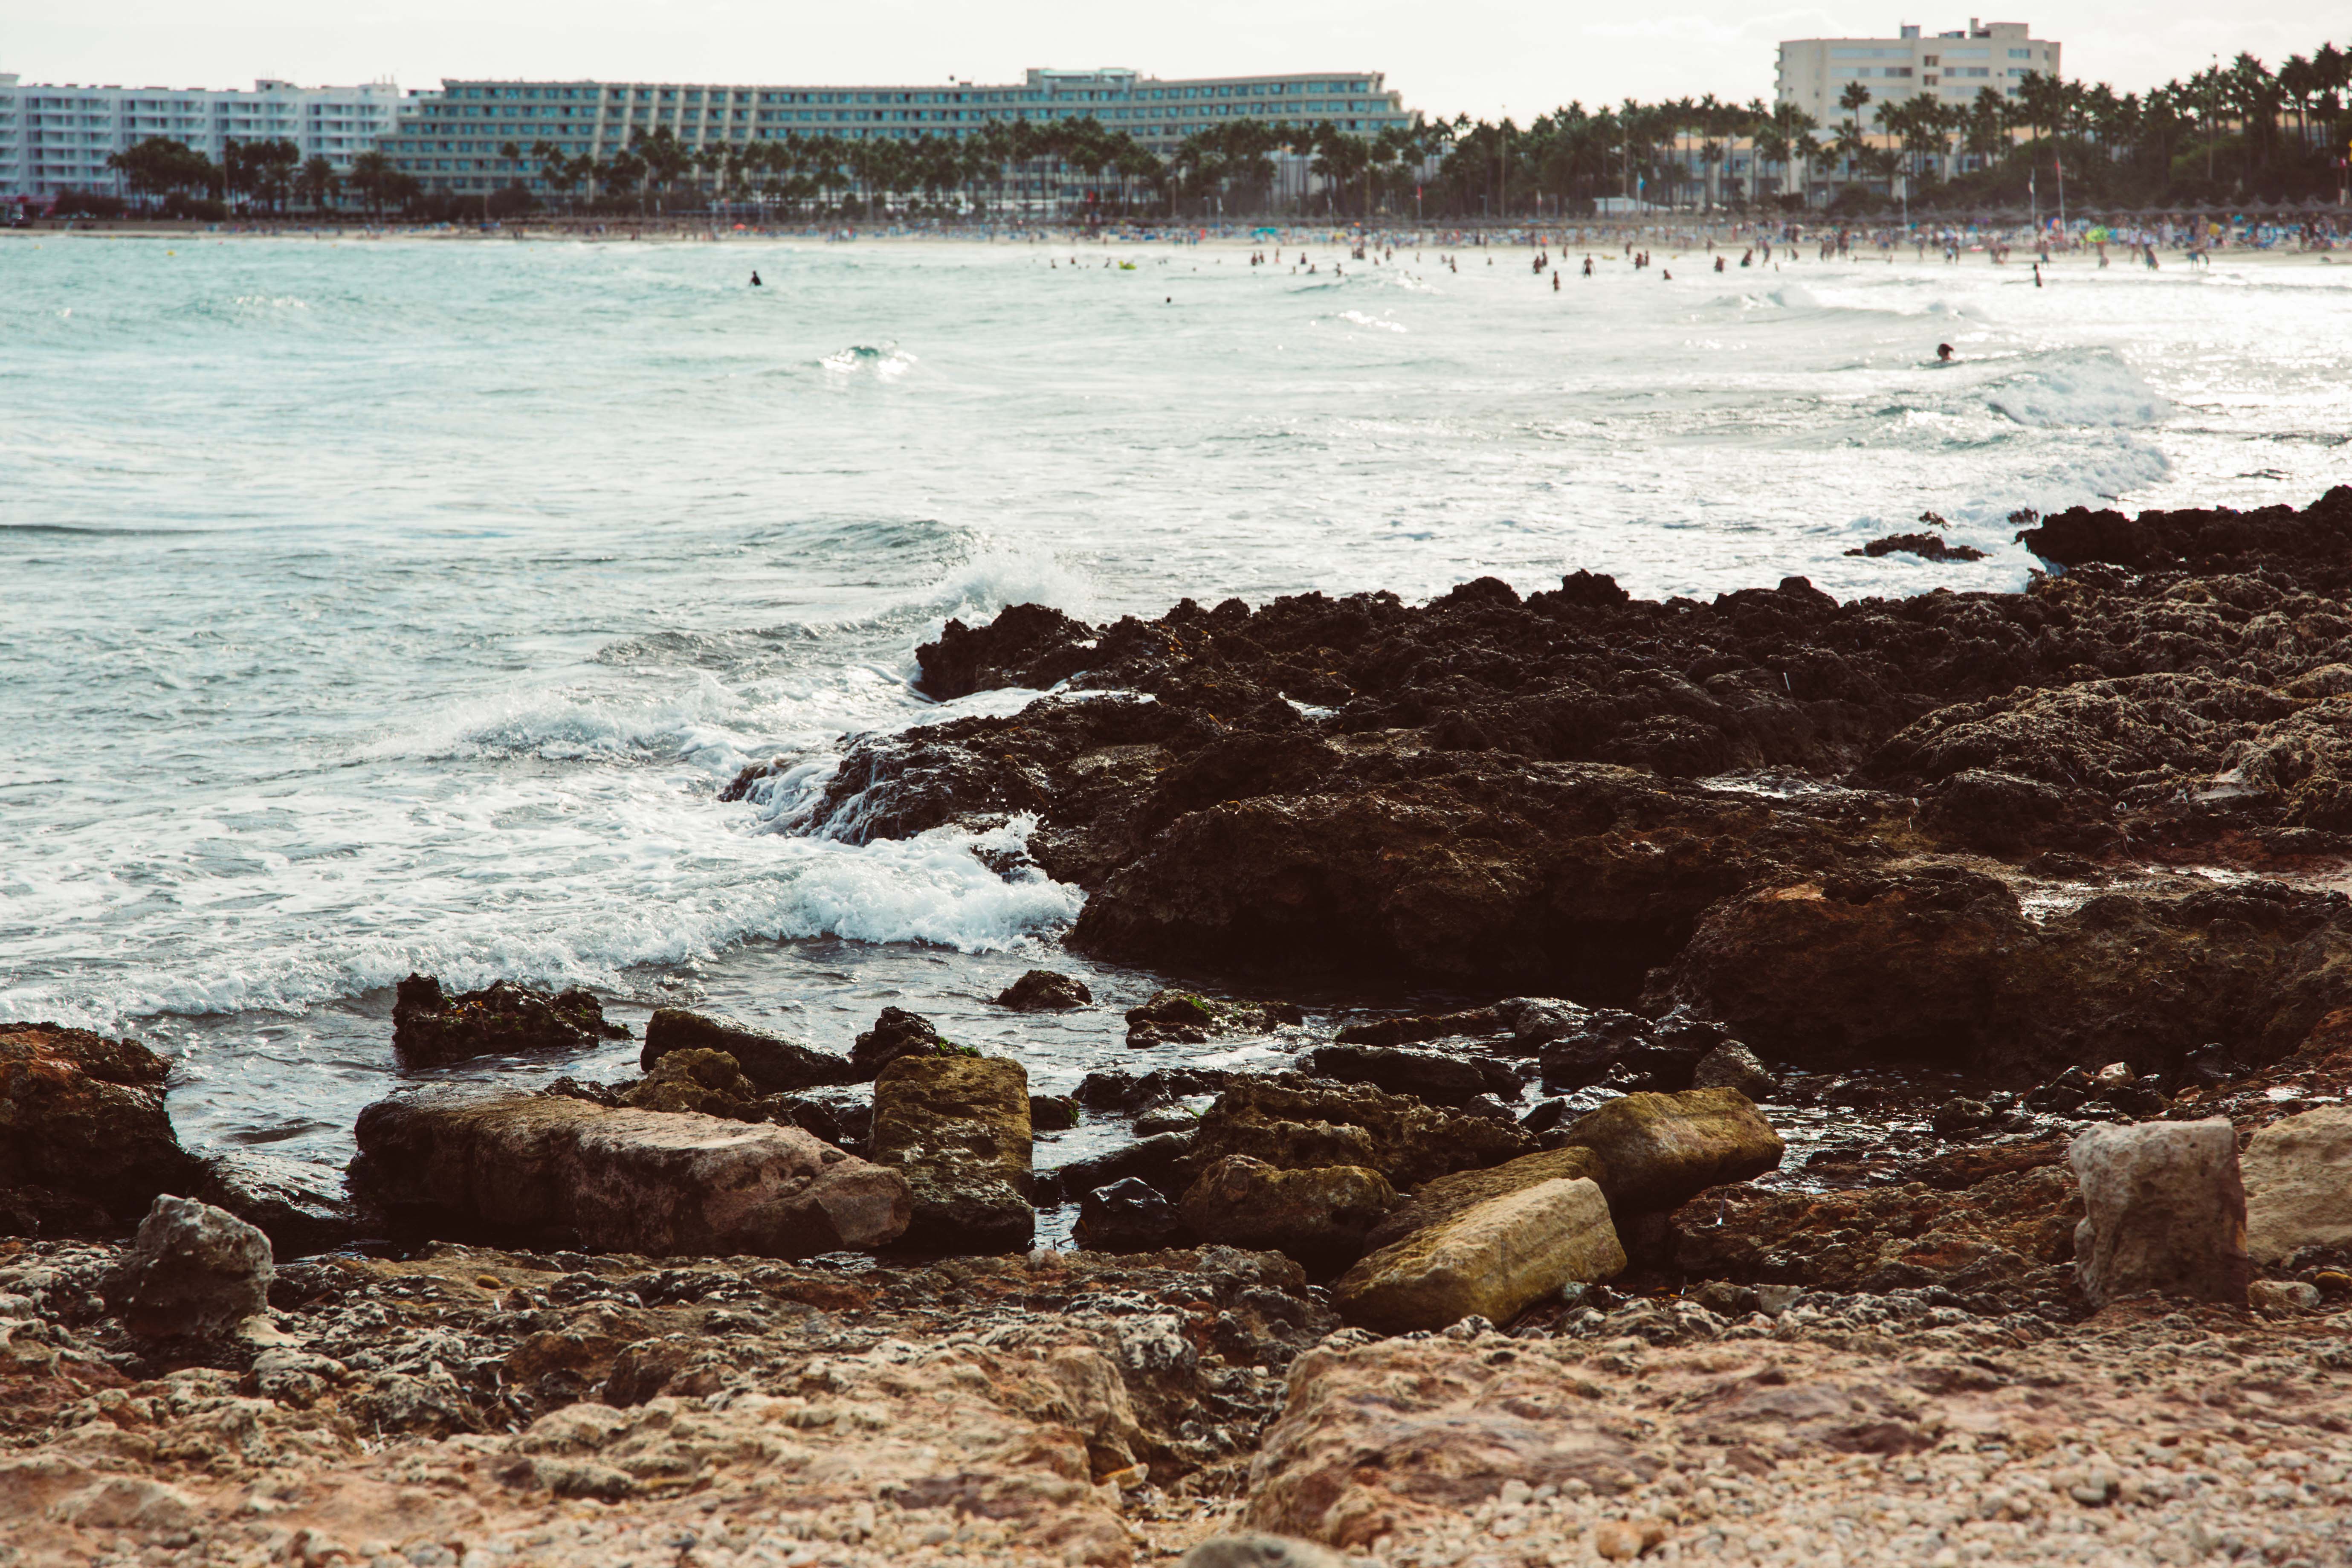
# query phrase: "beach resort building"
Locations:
[[451, 140], [1952, 67], [56, 139]]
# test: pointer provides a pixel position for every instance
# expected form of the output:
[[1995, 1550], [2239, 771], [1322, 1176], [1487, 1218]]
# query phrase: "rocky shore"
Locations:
[[1786, 1082]]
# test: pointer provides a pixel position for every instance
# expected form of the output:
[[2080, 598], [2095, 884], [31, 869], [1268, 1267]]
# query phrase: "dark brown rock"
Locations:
[[1319, 1216], [430, 1029], [776, 1065], [86, 1144], [1045, 990], [1438, 1077], [1295, 1124]]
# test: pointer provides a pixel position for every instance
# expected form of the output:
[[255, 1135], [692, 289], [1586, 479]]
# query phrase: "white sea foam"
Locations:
[[2076, 390]]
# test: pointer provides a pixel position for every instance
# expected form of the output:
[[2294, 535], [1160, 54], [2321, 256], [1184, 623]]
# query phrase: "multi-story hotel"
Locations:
[[450, 140], [1952, 67], [56, 139]]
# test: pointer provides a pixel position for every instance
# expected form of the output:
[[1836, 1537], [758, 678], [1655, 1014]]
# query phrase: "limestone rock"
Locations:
[[1439, 1077], [1493, 1260], [1256, 1550], [1318, 1216], [706, 1083], [300, 1207], [430, 1028], [1128, 1216], [1043, 990], [1297, 1123], [2164, 1209], [554, 1170], [778, 1065], [193, 1271], [957, 1128], [1449, 1196], [898, 1033], [1656, 1149], [85, 1142], [1733, 1065], [2298, 1178]]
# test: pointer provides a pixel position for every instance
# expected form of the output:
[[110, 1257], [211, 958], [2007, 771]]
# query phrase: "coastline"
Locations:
[[1975, 851]]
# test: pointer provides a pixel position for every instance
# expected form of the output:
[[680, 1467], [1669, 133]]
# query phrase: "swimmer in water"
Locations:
[[1943, 353], [755, 280]]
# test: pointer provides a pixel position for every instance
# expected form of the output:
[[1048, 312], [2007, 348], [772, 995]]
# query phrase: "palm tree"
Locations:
[[371, 175], [1850, 141], [317, 183]]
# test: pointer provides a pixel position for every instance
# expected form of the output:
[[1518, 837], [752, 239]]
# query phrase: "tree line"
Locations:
[[2235, 133]]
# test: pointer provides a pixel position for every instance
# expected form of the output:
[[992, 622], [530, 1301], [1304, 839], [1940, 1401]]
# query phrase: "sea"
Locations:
[[379, 607]]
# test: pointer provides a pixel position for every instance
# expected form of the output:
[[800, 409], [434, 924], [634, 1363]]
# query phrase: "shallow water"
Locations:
[[371, 607]]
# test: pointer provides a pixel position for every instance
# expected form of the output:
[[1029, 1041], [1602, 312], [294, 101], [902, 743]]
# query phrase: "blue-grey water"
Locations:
[[386, 606]]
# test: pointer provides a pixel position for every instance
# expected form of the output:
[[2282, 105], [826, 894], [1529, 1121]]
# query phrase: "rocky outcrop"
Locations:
[[1491, 1260], [1180, 1017], [564, 1173], [2164, 1209], [193, 1272], [1159, 1161], [2298, 1178], [1319, 1216], [705, 1083], [1045, 990], [1127, 1215], [957, 1129], [1926, 546], [430, 1029], [1733, 1065], [85, 1143], [775, 1064], [1656, 1149], [1437, 1076], [898, 1033], [1297, 1125], [1446, 1196]]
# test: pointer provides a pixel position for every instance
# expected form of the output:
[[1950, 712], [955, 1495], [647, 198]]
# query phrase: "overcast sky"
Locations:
[[1482, 56]]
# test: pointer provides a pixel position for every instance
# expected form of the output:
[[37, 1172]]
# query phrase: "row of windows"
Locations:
[[749, 95]]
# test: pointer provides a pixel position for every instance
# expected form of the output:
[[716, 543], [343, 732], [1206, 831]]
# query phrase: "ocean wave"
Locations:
[[886, 362], [2092, 389]]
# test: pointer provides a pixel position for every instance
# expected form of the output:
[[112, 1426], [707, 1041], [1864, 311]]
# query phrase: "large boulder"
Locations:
[[898, 1033], [1127, 1215], [1297, 1125], [1045, 990], [1493, 1260], [2298, 1179], [192, 1271], [85, 1143], [1656, 1149], [957, 1128], [549, 1170], [2164, 1210], [707, 1083], [1449, 1196], [778, 1065], [1439, 1077], [1318, 1216], [430, 1028]]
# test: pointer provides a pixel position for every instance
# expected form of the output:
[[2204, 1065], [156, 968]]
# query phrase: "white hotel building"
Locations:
[[450, 140], [56, 139], [1952, 67]]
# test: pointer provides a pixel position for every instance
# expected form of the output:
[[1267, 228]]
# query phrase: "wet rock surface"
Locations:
[[430, 1028], [1045, 990], [86, 1144], [957, 1129], [774, 1064]]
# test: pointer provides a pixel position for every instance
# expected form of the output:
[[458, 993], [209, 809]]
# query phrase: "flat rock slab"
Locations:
[[1449, 1196], [1490, 1261], [656, 1182], [957, 1128], [1658, 1150], [778, 1065], [2298, 1179]]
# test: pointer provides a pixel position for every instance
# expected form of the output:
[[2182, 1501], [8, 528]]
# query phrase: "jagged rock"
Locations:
[[1996, 1236], [1156, 1160], [2298, 1179], [1733, 1065], [776, 1065], [705, 1082], [958, 1129], [1433, 1075], [1627, 1051], [898, 1033], [553, 1171], [1183, 1018], [1926, 546], [1491, 1260], [1052, 1113], [193, 1271], [839, 1118], [2164, 1209], [430, 1029], [1044, 989], [1318, 1216], [1295, 1123], [1656, 1149], [1129, 1092], [85, 1143], [1411, 1031], [1448, 1196], [1165, 1117], [300, 1207], [1126, 1216]]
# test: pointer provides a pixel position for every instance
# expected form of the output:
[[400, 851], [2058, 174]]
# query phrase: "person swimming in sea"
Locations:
[[755, 278], [1943, 353]]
